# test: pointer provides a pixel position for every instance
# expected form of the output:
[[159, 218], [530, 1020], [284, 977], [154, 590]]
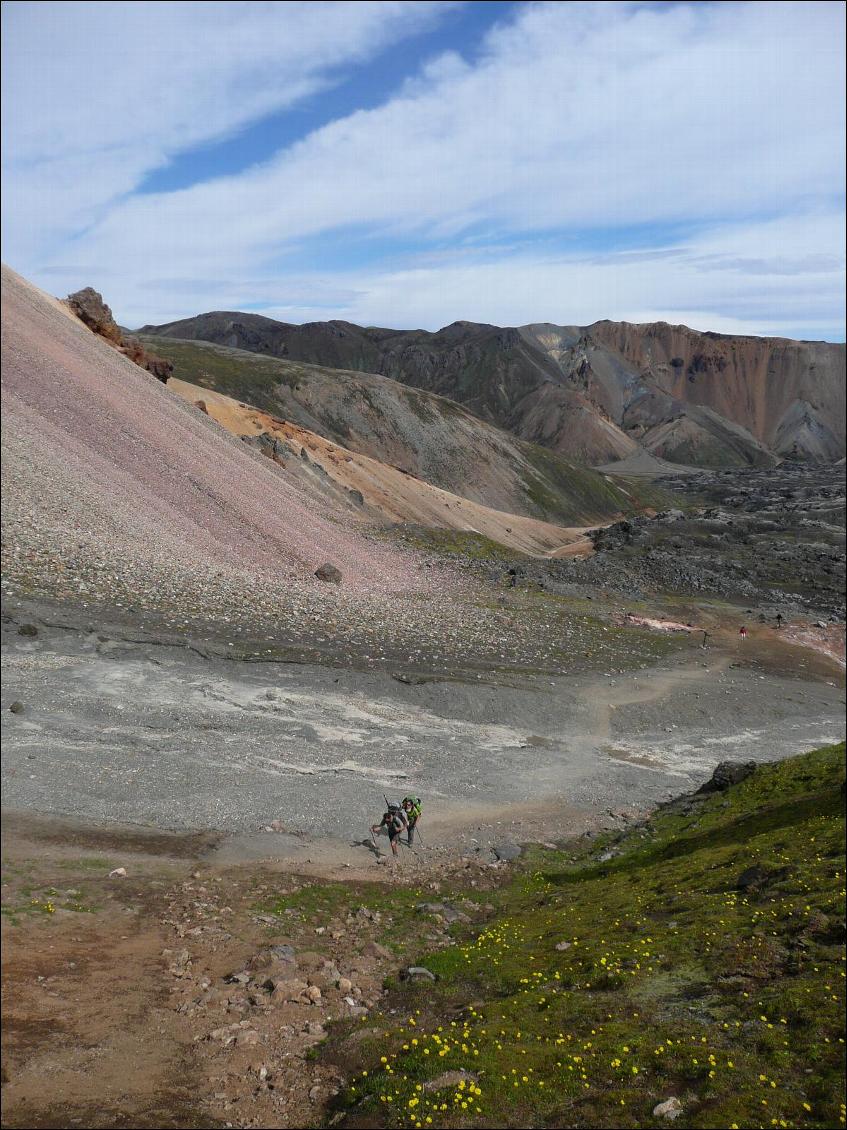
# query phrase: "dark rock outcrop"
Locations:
[[726, 774], [267, 445], [89, 307]]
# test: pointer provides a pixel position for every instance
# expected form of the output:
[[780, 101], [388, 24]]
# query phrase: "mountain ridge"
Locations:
[[412, 431], [597, 393]]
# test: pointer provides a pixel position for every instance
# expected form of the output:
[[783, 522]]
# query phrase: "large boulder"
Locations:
[[161, 369], [329, 573], [157, 366], [726, 774], [90, 308]]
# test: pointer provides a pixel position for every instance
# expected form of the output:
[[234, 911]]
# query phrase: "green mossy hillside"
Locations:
[[698, 957]]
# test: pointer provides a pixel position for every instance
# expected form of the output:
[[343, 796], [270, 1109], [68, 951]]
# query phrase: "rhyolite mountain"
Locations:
[[597, 393], [418, 433]]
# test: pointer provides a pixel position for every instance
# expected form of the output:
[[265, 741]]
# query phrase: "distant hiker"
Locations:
[[742, 631], [779, 620], [705, 638], [412, 811], [393, 823]]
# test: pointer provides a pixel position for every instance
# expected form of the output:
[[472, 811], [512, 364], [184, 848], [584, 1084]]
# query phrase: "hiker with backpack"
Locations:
[[412, 812], [394, 822]]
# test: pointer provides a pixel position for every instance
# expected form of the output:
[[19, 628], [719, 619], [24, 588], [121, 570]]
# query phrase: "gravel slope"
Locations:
[[103, 464]]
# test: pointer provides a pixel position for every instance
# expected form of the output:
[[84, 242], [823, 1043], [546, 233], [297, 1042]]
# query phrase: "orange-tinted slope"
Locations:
[[383, 493]]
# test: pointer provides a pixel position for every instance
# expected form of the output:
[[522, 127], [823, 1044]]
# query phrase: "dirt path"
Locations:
[[652, 687], [188, 992]]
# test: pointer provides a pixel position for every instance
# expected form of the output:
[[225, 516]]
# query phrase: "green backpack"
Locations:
[[415, 811]]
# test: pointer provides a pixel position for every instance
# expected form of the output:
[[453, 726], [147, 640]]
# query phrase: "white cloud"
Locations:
[[96, 95], [706, 283], [575, 117]]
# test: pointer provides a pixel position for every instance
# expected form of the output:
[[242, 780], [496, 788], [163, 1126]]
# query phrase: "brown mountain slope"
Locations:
[[788, 395], [593, 393], [425, 435]]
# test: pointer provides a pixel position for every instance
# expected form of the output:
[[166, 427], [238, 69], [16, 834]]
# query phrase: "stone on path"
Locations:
[[417, 972]]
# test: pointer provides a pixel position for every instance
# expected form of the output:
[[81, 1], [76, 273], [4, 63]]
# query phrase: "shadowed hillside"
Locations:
[[427, 436], [596, 394]]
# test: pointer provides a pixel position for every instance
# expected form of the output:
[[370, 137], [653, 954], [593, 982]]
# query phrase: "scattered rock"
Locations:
[[758, 876], [507, 852], [408, 679], [417, 972], [28, 630], [17, 708], [328, 573], [247, 1039], [240, 978], [118, 873], [829, 931], [289, 991], [449, 1079], [562, 946], [671, 1108], [430, 907], [179, 963]]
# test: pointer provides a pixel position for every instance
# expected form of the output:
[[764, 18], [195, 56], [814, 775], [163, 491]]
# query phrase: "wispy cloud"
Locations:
[[721, 121], [95, 95]]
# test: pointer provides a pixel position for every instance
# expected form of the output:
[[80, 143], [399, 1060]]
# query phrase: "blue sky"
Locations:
[[413, 163]]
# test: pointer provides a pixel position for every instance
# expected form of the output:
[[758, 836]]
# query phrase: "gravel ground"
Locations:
[[113, 730], [186, 670]]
